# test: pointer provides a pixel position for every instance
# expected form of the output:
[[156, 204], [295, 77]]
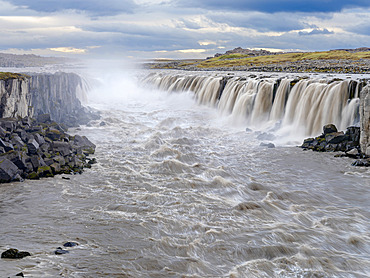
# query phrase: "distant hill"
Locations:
[[247, 52], [338, 61], [28, 60], [252, 52]]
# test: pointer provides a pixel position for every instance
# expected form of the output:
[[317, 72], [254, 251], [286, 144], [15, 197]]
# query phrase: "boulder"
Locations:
[[60, 251], [85, 144], [36, 162], [354, 133], [33, 176], [70, 244], [17, 142], [60, 160], [354, 153], [45, 147], [54, 134], [6, 145], [8, 170], [362, 163], [55, 168], [329, 128], [17, 157], [14, 254], [3, 132], [8, 124], [45, 171], [63, 148], [21, 133], [32, 146], [336, 138], [39, 139]]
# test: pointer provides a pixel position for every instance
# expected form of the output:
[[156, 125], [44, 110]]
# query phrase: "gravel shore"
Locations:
[[306, 66]]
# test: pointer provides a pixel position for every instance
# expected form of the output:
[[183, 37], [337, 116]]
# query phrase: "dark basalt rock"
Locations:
[[8, 170], [46, 151], [6, 145], [60, 251], [70, 244], [14, 254], [332, 141], [362, 163], [329, 128], [32, 146]]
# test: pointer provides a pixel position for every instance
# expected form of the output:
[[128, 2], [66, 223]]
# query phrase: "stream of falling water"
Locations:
[[180, 192]]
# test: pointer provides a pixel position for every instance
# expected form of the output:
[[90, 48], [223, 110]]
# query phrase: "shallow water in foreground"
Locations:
[[178, 192]]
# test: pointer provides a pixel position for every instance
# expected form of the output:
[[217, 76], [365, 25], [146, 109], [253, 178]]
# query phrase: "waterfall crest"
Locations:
[[304, 104]]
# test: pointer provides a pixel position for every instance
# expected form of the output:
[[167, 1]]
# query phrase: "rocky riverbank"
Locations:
[[32, 149], [348, 143], [306, 66]]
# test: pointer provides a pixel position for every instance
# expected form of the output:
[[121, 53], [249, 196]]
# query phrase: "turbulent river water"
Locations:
[[179, 191]]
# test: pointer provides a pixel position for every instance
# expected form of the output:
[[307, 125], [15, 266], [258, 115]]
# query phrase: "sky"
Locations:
[[148, 29]]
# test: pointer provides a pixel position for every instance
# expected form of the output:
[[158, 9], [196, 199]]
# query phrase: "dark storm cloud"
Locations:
[[95, 7], [272, 6]]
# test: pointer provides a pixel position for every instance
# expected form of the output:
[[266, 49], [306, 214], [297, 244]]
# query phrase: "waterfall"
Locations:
[[303, 104]]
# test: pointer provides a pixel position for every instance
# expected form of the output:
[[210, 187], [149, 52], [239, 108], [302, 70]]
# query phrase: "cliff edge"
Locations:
[[365, 120], [36, 94]]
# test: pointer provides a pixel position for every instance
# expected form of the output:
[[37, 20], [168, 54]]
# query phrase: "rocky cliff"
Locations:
[[365, 120], [36, 94], [15, 97]]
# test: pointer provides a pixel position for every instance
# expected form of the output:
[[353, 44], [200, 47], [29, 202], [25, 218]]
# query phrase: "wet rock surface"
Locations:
[[13, 253], [333, 141], [31, 149], [46, 97]]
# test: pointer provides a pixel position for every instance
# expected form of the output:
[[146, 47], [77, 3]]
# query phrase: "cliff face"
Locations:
[[365, 120], [15, 98], [54, 94]]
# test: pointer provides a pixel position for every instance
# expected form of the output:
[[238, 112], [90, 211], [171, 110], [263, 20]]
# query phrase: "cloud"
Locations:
[[316, 31], [263, 22], [73, 50], [273, 6], [95, 7], [182, 29], [205, 43]]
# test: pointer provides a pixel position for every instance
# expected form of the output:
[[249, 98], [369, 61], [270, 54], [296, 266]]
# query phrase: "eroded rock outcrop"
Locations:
[[333, 141], [36, 94], [31, 149], [365, 120]]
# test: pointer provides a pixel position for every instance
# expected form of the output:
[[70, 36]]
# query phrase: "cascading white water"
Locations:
[[179, 192], [303, 105]]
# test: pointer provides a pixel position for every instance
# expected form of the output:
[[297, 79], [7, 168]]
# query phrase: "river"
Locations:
[[181, 191]]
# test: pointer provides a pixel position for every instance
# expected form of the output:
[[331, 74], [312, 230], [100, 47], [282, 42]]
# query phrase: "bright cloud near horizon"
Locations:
[[179, 28]]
